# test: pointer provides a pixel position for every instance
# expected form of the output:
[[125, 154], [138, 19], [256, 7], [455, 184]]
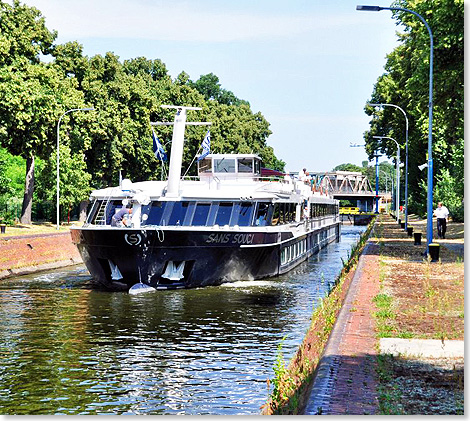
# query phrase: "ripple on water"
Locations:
[[68, 349]]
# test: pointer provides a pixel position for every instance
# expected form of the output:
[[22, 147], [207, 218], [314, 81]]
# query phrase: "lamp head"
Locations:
[[369, 8]]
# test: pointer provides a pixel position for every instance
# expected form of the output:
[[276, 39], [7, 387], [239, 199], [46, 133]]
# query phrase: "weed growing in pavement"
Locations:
[[389, 397], [384, 315], [280, 380]]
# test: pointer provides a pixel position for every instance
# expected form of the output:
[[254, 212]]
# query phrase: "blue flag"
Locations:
[[206, 146], [158, 148]]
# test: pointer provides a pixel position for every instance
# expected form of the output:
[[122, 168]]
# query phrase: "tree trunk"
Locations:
[[83, 209], [28, 192]]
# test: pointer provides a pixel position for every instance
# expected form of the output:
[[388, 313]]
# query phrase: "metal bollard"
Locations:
[[417, 236], [434, 251]]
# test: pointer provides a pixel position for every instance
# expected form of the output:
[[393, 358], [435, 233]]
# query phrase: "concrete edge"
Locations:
[[424, 348], [26, 270]]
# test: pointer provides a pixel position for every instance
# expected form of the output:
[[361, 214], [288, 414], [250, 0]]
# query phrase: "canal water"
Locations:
[[68, 349]]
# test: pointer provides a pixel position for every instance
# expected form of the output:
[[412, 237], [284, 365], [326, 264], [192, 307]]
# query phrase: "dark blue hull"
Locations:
[[210, 257]]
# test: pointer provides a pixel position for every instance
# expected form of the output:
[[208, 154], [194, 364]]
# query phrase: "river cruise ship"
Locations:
[[229, 223]]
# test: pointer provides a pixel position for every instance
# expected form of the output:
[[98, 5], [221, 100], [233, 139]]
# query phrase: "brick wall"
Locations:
[[36, 250]]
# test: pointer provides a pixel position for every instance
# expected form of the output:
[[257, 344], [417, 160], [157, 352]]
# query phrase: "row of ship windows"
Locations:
[[293, 251], [218, 213]]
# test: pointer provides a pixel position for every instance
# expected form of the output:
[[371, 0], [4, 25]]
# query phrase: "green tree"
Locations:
[[23, 34], [406, 84], [209, 86], [74, 180], [348, 167], [33, 94]]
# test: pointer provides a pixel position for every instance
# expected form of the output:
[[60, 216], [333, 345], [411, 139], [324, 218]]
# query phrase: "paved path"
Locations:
[[345, 383]]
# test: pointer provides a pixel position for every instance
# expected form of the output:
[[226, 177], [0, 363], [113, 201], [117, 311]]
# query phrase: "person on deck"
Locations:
[[441, 213], [122, 218]]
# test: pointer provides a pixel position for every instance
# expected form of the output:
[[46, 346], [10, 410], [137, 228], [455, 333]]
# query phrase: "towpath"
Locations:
[[346, 379]]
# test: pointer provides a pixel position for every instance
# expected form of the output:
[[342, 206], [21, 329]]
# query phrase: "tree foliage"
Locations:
[[209, 86], [74, 180], [127, 96], [33, 94], [406, 84]]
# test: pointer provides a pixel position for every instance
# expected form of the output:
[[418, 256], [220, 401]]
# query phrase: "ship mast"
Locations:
[[177, 143]]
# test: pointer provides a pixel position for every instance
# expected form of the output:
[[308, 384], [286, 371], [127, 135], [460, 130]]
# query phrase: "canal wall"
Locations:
[[292, 384], [20, 255]]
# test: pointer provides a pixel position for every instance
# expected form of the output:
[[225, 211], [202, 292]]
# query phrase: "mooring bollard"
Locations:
[[417, 236], [434, 252], [3, 228], [410, 231]]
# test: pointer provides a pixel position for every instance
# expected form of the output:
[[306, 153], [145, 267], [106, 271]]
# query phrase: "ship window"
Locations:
[[282, 213], [262, 214], [276, 214], [223, 213], [257, 166], [288, 212], [224, 165], [155, 212], [200, 214], [245, 165], [205, 165], [111, 209], [244, 219], [178, 213], [94, 210]]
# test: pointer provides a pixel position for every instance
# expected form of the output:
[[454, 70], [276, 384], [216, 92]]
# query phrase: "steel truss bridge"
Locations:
[[346, 185]]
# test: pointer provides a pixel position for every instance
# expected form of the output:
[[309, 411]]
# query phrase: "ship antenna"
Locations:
[[177, 143]]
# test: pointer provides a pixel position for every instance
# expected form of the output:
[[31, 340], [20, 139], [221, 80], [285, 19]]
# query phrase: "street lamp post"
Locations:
[[386, 187], [58, 154], [430, 163], [398, 171], [376, 182], [406, 155]]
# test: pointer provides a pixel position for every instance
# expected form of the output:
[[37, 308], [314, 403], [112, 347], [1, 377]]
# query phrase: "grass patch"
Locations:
[[384, 315]]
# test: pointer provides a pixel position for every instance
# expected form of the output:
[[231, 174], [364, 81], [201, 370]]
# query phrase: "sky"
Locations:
[[308, 66]]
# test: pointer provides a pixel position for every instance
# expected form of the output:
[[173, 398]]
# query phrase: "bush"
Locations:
[[447, 192]]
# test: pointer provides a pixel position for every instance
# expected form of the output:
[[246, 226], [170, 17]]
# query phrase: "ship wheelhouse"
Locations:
[[230, 166]]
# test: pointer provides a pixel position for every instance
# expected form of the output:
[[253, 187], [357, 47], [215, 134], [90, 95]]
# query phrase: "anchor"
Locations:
[[140, 287]]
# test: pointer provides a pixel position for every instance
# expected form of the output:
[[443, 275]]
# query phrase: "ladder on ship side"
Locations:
[[101, 215]]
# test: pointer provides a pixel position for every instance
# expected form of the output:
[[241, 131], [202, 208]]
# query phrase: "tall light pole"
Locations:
[[430, 163], [386, 187], [398, 171], [406, 155], [58, 154]]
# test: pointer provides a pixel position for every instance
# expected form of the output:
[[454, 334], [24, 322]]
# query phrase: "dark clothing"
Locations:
[[118, 216], [441, 227]]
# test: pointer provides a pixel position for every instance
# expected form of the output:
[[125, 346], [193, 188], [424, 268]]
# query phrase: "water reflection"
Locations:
[[68, 349]]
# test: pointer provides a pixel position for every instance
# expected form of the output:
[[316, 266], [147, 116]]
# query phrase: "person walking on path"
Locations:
[[441, 213]]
